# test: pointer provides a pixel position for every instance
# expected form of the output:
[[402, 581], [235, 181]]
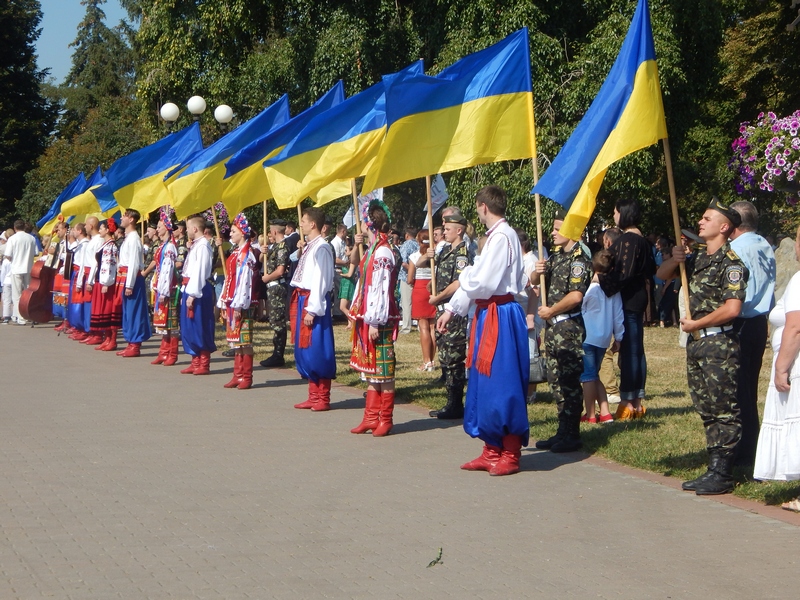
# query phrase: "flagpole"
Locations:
[[430, 232], [266, 235], [356, 218], [537, 201], [676, 223], [221, 253]]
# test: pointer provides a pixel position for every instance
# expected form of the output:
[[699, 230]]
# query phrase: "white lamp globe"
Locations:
[[196, 105], [223, 114], [170, 112]]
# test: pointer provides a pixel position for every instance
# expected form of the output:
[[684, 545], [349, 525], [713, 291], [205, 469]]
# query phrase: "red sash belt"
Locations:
[[185, 281], [122, 273], [304, 337], [488, 343]]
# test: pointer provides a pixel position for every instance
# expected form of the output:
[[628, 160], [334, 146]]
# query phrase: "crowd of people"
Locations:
[[488, 307]]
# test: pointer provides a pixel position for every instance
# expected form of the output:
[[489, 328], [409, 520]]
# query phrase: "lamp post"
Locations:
[[170, 113], [196, 106], [224, 115]]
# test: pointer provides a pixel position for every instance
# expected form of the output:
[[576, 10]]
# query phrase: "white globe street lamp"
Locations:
[[170, 113], [223, 114], [196, 106]]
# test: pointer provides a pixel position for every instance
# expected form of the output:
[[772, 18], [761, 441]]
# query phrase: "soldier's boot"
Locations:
[[323, 396], [454, 409], [162, 351], [312, 396], [172, 352], [560, 433], [486, 461], [371, 409], [720, 478], [571, 441], [691, 485], [246, 371], [237, 372], [273, 361], [385, 415], [509, 457]]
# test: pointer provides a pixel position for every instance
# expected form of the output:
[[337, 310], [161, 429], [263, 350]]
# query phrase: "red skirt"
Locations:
[[107, 308], [420, 308]]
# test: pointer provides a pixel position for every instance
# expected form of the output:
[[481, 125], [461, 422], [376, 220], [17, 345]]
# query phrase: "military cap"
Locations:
[[734, 217], [459, 219], [560, 215]]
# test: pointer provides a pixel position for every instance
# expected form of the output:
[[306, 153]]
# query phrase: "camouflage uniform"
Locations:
[[183, 251], [567, 272], [148, 258], [277, 296], [713, 360], [452, 345]]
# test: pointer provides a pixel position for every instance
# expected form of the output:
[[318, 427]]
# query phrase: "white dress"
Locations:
[[778, 453]]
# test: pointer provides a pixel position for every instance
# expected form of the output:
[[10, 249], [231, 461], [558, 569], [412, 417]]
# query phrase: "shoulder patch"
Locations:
[[461, 262], [733, 277], [732, 254], [577, 269]]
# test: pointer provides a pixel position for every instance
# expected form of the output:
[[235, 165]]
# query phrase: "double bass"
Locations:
[[36, 302]]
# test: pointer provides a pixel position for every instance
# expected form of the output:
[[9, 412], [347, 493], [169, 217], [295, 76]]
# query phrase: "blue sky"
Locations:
[[59, 28]]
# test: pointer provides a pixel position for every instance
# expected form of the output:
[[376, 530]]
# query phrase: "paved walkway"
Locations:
[[124, 480]]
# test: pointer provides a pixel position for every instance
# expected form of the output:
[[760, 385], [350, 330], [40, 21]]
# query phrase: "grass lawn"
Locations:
[[669, 440]]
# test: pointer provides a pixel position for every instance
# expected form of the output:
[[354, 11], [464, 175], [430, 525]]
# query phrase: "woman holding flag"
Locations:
[[375, 316], [166, 292], [236, 304]]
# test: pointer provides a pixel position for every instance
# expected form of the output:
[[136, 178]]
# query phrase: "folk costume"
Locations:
[[197, 322], [166, 297], [135, 314], [495, 410], [107, 305], [90, 271], [375, 305], [236, 305], [314, 352], [76, 295]]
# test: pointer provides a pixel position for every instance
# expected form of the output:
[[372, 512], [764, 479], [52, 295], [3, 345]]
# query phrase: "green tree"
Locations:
[[27, 115]]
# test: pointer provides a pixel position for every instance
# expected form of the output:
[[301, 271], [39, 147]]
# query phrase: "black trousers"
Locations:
[[753, 340]]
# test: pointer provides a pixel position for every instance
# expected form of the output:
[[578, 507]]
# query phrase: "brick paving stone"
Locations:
[[125, 480]]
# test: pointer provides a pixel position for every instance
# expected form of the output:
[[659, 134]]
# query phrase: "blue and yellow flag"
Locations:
[[336, 146], [86, 203], [199, 182], [245, 182], [73, 188], [627, 115], [137, 180], [479, 110]]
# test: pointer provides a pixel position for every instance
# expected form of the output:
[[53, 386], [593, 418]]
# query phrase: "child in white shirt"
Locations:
[[602, 317]]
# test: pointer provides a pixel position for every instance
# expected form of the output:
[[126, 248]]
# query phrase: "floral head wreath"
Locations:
[[366, 207], [241, 222], [165, 214], [111, 225]]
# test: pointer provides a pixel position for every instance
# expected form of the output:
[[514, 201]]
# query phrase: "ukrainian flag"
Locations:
[[245, 182], [337, 145], [48, 221], [479, 110], [86, 203], [137, 180], [199, 183], [627, 115]]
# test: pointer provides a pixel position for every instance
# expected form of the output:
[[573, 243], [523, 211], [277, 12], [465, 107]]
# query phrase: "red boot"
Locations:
[[205, 363], [237, 372], [312, 396], [172, 352], [246, 381], [509, 458], [111, 345], [162, 351], [79, 336], [323, 396], [195, 364], [371, 409], [132, 351], [104, 342], [93, 340], [486, 461], [63, 327], [385, 422]]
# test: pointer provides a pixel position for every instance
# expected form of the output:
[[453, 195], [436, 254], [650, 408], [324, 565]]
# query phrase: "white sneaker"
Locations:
[[614, 399], [21, 322]]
